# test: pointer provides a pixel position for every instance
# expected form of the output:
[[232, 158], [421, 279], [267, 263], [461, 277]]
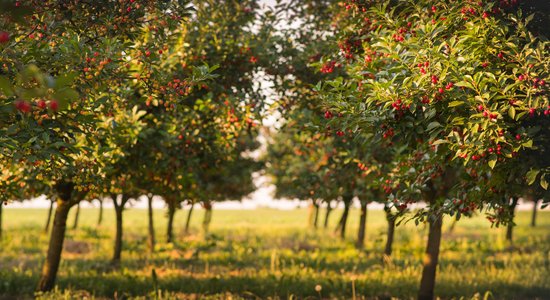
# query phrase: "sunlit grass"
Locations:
[[271, 253]]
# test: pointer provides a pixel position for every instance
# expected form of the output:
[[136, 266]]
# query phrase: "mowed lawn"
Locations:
[[273, 254]]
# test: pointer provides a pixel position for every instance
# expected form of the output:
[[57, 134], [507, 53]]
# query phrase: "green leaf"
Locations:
[[543, 182], [512, 112], [433, 125], [492, 163], [532, 176], [528, 144], [438, 142], [455, 103]]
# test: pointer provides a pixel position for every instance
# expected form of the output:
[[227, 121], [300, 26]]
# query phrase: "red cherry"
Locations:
[[480, 107], [434, 9], [147, 53], [531, 112], [500, 55], [521, 77], [518, 137], [4, 37], [54, 105], [180, 137], [41, 104], [160, 51], [328, 115], [23, 106], [434, 79], [441, 91], [339, 133]]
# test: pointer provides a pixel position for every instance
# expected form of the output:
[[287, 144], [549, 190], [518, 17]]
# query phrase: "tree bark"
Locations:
[[316, 213], [341, 228], [207, 218], [49, 219], [453, 224], [151, 240], [119, 209], [427, 283], [510, 227], [170, 228], [362, 226], [100, 217], [534, 215], [188, 221], [77, 214], [327, 215], [390, 234], [55, 247]]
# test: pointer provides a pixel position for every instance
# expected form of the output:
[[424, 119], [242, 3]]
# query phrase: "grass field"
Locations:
[[272, 254]]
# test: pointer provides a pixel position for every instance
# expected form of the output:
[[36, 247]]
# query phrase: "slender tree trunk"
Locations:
[[510, 227], [316, 213], [391, 231], [188, 221], [327, 215], [207, 218], [49, 219], [534, 215], [310, 214], [453, 224], [427, 283], [341, 228], [362, 226], [100, 217], [119, 209], [55, 247], [151, 240], [77, 214], [169, 229]]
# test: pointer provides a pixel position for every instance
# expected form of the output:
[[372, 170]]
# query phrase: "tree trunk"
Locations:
[[534, 215], [391, 231], [453, 224], [100, 218], [55, 247], [188, 221], [119, 209], [207, 218], [310, 214], [341, 228], [77, 214], [427, 283], [49, 219], [327, 215], [362, 226], [510, 227], [169, 229], [316, 213], [151, 240]]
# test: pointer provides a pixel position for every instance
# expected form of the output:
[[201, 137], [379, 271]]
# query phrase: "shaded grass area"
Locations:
[[273, 254]]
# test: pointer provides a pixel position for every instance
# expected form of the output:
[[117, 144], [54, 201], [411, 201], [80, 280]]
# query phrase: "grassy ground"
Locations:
[[272, 254]]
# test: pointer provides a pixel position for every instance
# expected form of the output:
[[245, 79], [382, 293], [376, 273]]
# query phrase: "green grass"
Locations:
[[273, 254]]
